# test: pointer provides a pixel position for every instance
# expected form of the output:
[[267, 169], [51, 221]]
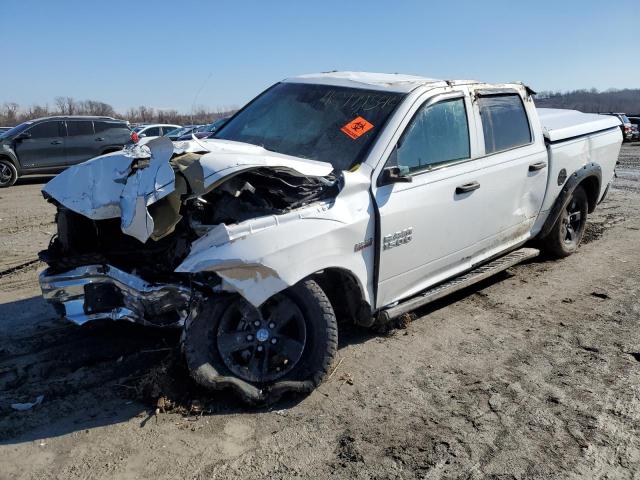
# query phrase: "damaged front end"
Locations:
[[104, 292], [126, 221]]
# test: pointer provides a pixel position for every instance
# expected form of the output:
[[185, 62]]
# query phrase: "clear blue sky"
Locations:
[[160, 53]]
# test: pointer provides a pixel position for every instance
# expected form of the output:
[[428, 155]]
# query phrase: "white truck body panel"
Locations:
[[571, 149], [558, 124]]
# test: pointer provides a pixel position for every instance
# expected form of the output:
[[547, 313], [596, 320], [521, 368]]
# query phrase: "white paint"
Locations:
[[293, 245], [262, 256], [558, 124]]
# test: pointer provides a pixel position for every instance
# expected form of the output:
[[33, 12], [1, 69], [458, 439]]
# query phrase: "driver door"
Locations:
[[45, 146]]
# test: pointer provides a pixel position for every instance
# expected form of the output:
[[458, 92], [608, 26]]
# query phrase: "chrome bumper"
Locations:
[[76, 293]]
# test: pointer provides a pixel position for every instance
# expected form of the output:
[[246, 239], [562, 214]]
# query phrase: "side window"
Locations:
[[82, 127], [439, 133], [504, 122], [166, 130], [152, 132], [102, 126], [46, 130]]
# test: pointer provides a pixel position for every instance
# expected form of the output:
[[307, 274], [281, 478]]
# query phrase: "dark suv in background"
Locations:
[[635, 124], [625, 125], [50, 144]]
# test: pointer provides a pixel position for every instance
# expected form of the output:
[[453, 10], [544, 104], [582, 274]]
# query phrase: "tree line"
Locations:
[[593, 101], [626, 100], [12, 114]]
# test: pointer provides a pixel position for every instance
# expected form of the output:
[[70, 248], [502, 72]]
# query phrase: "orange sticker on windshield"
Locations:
[[356, 128]]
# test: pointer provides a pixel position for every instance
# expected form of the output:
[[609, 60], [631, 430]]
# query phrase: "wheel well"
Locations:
[[591, 187], [5, 157], [345, 294]]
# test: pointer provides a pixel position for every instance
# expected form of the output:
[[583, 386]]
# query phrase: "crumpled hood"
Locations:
[[123, 184]]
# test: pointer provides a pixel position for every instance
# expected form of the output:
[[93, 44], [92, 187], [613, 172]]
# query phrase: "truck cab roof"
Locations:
[[391, 82]]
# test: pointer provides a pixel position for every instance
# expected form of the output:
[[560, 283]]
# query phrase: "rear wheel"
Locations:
[[8, 173], [566, 234], [287, 344]]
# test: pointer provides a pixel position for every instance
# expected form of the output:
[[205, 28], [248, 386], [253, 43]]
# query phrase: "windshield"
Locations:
[[319, 122], [212, 127], [624, 119], [15, 130]]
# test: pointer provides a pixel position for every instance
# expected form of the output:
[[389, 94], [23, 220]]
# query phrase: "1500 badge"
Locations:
[[398, 238]]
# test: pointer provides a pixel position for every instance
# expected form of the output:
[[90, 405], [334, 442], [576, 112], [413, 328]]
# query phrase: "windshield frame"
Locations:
[[363, 154]]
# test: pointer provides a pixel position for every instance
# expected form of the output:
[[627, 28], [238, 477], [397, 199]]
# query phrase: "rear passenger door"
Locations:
[[81, 141], [511, 146], [44, 148]]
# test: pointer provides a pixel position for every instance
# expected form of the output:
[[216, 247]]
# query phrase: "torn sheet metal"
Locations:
[[226, 158], [120, 184], [254, 257], [145, 186], [125, 184]]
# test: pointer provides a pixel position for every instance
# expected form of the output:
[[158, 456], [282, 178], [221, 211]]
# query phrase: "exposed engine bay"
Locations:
[[181, 217]]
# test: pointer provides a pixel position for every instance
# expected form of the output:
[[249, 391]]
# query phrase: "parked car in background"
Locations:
[[625, 127], [635, 124], [176, 133], [50, 144], [4, 129], [153, 130], [205, 131]]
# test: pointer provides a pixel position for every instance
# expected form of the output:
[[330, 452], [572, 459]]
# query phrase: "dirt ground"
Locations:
[[532, 374]]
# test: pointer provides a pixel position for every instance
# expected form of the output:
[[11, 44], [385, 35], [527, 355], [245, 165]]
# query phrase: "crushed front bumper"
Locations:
[[104, 292]]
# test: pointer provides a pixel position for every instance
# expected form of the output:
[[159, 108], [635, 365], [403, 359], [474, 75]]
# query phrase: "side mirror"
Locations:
[[142, 135], [22, 136], [395, 174]]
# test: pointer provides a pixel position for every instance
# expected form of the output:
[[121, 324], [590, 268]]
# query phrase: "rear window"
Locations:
[[102, 126], [504, 122], [82, 127]]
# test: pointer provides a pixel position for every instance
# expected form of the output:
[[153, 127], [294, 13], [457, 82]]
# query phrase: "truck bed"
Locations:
[[573, 140], [559, 124]]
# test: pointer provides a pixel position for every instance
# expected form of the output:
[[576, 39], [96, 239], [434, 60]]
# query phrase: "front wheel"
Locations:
[[8, 173], [287, 344], [566, 234]]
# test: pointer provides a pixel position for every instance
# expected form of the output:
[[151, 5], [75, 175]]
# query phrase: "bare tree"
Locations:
[[11, 113]]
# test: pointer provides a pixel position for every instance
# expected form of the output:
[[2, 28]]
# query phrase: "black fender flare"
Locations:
[[576, 178]]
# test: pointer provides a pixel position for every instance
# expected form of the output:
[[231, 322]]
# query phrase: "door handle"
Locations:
[[467, 187], [56, 142], [99, 139], [534, 167]]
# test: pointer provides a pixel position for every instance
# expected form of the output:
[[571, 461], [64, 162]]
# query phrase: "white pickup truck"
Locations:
[[351, 196]]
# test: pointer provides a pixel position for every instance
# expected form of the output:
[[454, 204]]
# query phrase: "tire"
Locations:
[[219, 355], [566, 234], [8, 173]]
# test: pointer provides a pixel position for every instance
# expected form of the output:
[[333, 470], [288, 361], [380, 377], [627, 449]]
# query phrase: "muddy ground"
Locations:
[[532, 374]]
